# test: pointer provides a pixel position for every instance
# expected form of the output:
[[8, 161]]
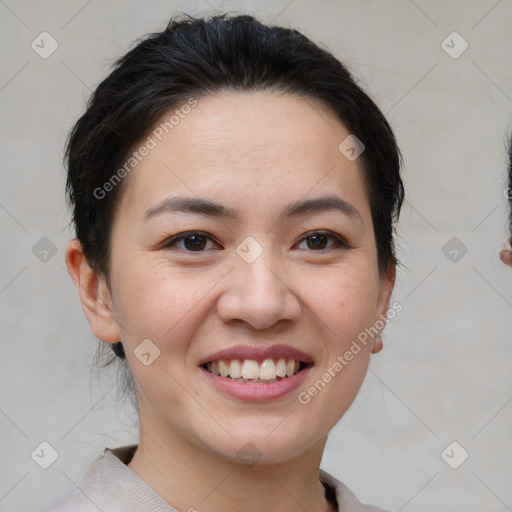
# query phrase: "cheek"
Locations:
[[158, 303], [346, 302]]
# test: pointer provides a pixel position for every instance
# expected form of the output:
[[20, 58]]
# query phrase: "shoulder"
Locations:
[[347, 500], [84, 498], [110, 486]]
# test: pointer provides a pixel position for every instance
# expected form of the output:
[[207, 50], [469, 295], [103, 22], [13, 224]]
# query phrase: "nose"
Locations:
[[259, 293]]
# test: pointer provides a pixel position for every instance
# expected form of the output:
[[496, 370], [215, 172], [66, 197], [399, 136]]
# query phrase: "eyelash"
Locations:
[[339, 241]]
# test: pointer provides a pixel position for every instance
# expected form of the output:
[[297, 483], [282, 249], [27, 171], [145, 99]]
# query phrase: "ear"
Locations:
[[386, 284], [94, 294], [506, 254]]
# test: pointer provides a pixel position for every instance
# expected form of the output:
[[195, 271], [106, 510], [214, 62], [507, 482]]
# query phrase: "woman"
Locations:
[[234, 194], [506, 252]]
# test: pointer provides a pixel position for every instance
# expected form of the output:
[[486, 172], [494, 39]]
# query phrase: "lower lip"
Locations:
[[258, 391]]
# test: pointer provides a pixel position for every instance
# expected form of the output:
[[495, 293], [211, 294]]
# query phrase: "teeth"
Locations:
[[270, 370], [250, 370], [281, 368], [267, 370], [223, 369], [290, 367], [235, 369]]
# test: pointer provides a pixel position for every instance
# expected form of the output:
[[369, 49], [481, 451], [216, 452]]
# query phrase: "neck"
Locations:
[[191, 478]]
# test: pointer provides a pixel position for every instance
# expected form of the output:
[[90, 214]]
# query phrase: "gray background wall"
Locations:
[[444, 374]]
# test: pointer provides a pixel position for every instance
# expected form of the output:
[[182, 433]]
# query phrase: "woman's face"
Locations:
[[274, 272]]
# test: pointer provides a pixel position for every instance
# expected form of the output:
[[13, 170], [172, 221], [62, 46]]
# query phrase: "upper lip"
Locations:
[[258, 353]]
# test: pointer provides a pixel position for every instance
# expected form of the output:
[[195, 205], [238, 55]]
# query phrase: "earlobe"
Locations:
[[377, 344], [387, 283], [94, 294]]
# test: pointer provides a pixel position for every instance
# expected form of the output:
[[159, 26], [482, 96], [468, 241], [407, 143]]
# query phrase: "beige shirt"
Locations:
[[111, 486]]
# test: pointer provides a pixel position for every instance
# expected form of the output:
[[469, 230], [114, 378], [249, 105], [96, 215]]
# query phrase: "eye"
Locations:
[[193, 241], [197, 241], [317, 241]]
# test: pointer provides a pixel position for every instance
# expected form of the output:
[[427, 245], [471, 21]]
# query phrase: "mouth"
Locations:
[[256, 373], [267, 371]]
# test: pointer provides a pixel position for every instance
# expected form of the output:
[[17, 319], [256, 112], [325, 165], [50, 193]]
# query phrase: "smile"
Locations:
[[256, 373], [269, 370]]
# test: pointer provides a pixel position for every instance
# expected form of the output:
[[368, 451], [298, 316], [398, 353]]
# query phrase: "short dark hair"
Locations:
[[199, 57]]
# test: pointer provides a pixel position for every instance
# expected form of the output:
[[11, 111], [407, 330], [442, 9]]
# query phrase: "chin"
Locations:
[[250, 443]]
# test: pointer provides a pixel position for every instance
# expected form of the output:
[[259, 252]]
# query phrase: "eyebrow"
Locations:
[[211, 209]]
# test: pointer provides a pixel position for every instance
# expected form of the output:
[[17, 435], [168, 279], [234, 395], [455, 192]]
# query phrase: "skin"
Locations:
[[506, 254], [255, 153]]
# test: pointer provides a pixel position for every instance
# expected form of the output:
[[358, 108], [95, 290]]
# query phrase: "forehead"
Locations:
[[238, 145], [264, 124]]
